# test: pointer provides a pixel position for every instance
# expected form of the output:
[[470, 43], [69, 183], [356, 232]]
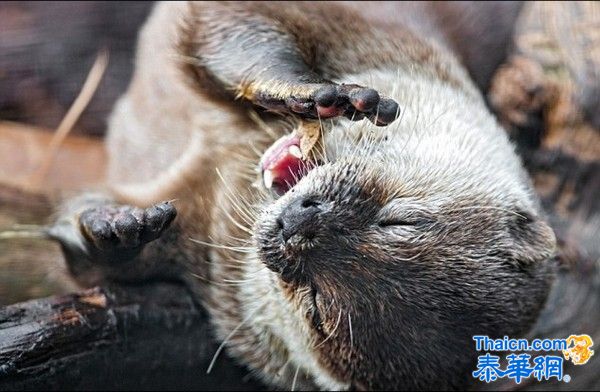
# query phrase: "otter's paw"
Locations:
[[102, 243], [330, 100], [112, 228]]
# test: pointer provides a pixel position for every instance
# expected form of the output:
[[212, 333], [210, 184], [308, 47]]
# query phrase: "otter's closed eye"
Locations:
[[397, 222], [404, 213], [405, 225]]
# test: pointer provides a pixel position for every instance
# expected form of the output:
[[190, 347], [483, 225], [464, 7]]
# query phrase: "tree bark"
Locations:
[[140, 337]]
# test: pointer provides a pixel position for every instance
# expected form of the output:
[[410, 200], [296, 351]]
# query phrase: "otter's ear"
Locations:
[[532, 239]]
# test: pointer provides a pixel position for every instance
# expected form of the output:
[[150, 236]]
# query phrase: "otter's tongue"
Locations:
[[283, 165]]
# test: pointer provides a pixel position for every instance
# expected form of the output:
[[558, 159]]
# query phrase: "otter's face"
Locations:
[[394, 268]]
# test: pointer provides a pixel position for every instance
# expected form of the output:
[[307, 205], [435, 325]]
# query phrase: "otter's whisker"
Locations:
[[246, 229], [202, 278], [217, 246], [231, 334], [242, 280], [236, 203], [412, 131], [240, 210], [242, 241], [228, 265], [295, 378], [283, 368], [337, 323], [351, 334], [262, 125], [330, 305]]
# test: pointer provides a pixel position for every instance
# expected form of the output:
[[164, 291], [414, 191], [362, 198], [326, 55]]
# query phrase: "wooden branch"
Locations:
[[138, 337]]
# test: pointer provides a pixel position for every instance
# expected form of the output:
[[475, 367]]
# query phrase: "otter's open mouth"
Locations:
[[283, 164]]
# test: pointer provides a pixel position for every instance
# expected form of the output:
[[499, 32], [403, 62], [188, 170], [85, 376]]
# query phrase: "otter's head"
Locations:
[[390, 256]]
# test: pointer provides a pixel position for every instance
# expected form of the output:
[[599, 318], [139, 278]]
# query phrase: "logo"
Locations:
[[575, 348], [579, 349]]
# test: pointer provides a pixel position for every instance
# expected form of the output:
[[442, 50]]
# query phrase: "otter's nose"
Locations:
[[299, 218]]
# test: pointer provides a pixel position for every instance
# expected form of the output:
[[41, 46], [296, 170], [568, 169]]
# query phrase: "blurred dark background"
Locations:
[[47, 50]]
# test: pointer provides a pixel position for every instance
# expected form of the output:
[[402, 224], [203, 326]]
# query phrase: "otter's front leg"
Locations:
[[256, 55], [104, 241]]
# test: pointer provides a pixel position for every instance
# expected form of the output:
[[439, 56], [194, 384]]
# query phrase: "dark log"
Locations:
[[47, 49], [142, 337]]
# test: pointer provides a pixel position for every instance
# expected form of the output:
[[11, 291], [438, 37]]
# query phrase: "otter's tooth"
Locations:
[[294, 150], [268, 179]]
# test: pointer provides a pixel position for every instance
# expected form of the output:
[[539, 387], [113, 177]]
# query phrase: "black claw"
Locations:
[[387, 111], [350, 100], [169, 212], [110, 228], [364, 99], [127, 230], [154, 218], [170, 215], [326, 96], [158, 218], [138, 213], [101, 233]]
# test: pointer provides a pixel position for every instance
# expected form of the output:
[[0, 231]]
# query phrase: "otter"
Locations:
[[370, 266]]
